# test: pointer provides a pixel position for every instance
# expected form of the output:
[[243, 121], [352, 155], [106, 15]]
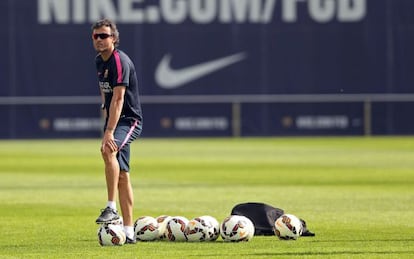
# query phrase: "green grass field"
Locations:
[[356, 194]]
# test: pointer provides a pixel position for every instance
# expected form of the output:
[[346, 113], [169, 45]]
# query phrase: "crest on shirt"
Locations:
[[106, 73]]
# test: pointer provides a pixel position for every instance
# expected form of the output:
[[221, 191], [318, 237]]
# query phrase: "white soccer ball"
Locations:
[[288, 226], [146, 228], [162, 226], [237, 228], [214, 227], [111, 235], [197, 230], [176, 227]]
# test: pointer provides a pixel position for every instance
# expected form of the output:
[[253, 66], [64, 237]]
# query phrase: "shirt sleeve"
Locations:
[[121, 71]]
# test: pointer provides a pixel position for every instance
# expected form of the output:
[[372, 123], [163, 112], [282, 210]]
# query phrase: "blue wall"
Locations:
[[259, 48]]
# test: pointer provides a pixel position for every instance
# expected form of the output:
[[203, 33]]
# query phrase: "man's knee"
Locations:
[[107, 154]]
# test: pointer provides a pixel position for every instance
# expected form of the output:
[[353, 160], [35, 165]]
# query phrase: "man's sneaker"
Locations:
[[108, 216], [130, 241]]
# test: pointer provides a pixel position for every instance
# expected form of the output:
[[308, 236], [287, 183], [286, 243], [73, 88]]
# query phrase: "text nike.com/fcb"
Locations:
[[199, 11]]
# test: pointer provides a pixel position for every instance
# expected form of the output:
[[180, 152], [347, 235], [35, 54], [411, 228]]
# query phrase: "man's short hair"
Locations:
[[111, 25]]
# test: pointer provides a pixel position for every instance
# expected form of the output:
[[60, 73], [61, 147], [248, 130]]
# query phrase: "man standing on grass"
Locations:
[[120, 99]]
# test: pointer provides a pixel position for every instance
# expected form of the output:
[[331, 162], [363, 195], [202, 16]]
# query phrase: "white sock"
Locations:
[[111, 204], [129, 231]]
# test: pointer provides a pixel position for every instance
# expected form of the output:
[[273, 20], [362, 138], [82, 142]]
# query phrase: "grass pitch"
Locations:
[[356, 194]]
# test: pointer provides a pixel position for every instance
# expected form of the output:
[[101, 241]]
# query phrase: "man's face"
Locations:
[[103, 40]]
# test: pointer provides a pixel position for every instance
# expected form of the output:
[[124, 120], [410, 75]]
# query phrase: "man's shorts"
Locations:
[[127, 130]]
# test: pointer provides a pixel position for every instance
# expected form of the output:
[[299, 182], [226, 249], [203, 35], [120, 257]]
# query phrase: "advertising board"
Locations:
[[211, 48]]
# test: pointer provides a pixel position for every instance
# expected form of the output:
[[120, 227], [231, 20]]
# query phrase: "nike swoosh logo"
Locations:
[[169, 78]]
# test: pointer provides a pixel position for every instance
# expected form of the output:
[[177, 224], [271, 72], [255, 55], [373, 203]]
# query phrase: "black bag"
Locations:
[[263, 217]]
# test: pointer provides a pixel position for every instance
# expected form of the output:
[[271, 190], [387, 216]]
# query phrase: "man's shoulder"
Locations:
[[98, 59], [122, 55]]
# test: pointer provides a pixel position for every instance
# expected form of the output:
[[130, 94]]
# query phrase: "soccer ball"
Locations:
[[176, 227], [146, 228], [162, 226], [287, 227], [237, 228], [111, 235], [197, 230], [214, 227]]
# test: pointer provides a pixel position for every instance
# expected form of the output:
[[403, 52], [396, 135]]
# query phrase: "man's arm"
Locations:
[[102, 99], [115, 110]]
